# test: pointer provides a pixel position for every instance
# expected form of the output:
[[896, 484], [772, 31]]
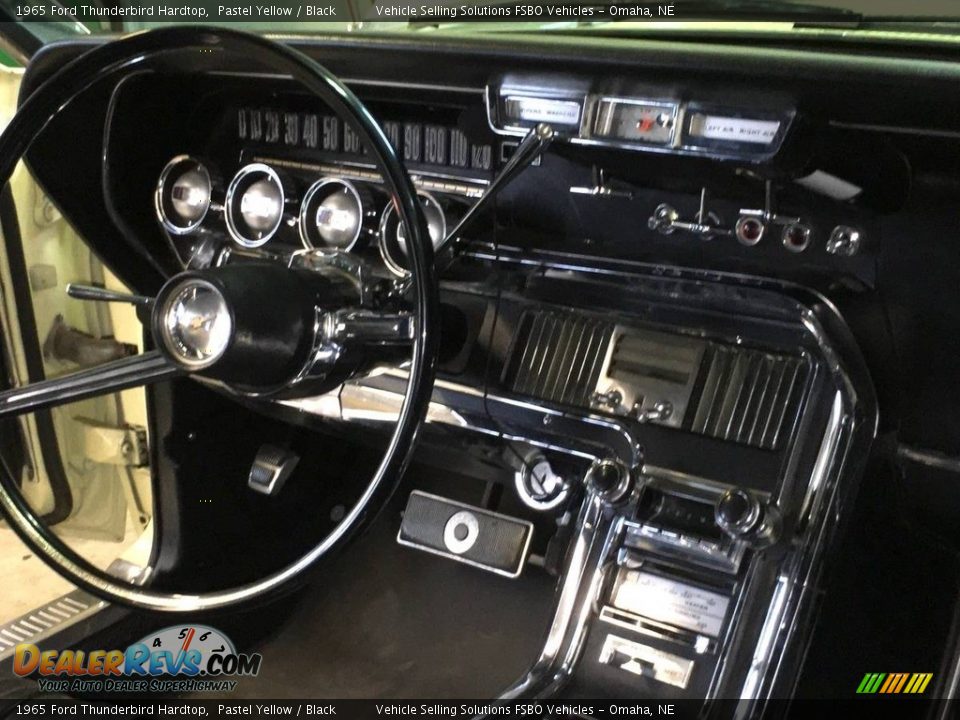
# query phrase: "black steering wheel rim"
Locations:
[[135, 51]]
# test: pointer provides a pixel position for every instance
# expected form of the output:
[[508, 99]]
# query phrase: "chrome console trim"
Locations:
[[574, 601]]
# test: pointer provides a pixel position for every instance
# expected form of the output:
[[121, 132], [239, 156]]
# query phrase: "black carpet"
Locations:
[[391, 622]]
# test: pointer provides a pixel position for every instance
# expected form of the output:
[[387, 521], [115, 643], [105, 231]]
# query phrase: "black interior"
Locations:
[[382, 620]]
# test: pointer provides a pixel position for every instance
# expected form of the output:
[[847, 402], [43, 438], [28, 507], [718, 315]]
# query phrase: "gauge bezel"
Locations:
[[228, 209], [158, 198], [303, 220], [382, 235]]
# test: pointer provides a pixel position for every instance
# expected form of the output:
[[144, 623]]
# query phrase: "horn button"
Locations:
[[251, 325], [196, 324]]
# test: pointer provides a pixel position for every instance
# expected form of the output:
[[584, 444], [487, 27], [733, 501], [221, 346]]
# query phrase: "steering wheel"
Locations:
[[212, 323]]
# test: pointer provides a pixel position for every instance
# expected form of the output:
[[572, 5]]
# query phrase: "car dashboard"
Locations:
[[682, 306]]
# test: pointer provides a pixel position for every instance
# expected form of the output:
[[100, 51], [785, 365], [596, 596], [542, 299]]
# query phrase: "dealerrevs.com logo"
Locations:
[[183, 658]]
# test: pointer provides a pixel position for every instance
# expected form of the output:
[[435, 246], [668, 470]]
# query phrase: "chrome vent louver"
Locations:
[[722, 391], [749, 396], [557, 356]]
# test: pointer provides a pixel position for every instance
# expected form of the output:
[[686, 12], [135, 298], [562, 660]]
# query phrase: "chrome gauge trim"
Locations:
[[796, 237], [242, 174], [388, 212], [750, 230], [159, 198], [388, 242], [303, 219]]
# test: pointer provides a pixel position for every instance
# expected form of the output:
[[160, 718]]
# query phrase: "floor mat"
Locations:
[[392, 622]]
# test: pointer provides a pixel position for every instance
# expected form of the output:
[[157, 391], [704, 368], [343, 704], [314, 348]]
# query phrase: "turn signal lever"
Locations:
[[92, 292], [142, 303], [742, 516]]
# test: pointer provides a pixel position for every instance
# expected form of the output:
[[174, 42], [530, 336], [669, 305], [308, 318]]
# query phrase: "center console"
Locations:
[[745, 409]]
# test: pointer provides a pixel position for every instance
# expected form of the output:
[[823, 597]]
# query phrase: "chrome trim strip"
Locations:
[[568, 627], [763, 654], [63, 612], [463, 89], [899, 129], [46, 620], [425, 180], [929, 458], [825, 456]]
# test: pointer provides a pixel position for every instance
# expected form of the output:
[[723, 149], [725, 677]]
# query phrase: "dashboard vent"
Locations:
[[749, 396], [557, 357]]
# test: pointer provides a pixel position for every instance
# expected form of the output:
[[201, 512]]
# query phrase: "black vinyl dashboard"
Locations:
[[856, 156]]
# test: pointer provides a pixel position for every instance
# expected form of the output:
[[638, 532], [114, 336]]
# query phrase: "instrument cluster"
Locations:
[[270, 203]]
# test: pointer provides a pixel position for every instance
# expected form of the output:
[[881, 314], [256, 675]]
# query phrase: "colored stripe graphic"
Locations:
[[894, 683]]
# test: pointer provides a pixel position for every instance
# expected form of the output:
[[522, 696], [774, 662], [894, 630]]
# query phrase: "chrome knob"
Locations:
[[844, 240], [742, 516], [611, 399], [658, 412], [609, 479], [749, 230], [663, 219]]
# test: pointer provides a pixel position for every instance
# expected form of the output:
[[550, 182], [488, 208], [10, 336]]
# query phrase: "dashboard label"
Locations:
[[716, 127], [530, 109], [671, 602]]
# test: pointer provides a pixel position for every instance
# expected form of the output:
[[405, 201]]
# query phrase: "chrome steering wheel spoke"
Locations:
[[354, 326], [148, 367]]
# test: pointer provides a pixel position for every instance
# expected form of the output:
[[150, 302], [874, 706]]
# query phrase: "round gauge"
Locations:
[[183, 194], [254, 205], [393, 237], [332, 214]]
